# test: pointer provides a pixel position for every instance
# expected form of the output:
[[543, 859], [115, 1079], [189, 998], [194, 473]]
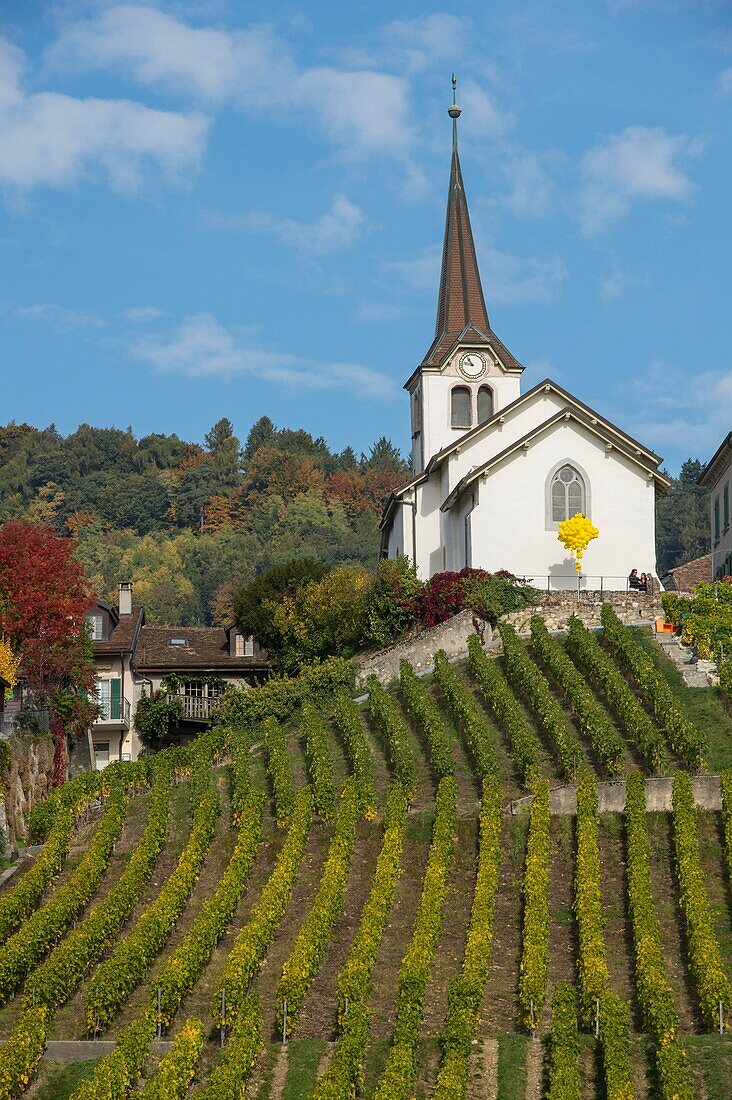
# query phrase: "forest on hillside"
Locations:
[[191, 523]]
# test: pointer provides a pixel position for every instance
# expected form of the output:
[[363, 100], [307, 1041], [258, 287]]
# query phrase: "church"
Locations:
[[495, 470]]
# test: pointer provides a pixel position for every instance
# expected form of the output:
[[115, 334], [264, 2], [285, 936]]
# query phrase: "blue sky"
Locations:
[[224, 209]]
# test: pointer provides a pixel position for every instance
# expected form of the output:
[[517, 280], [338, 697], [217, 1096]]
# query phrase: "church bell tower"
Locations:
[[467, 375]]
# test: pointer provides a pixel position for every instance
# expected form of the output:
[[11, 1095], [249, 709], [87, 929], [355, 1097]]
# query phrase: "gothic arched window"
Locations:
[[568, 494], [460, 411], [485, 404]]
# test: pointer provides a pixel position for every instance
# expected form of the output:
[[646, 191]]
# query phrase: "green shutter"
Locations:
[[716, 517], [115, 708], [725, 507]]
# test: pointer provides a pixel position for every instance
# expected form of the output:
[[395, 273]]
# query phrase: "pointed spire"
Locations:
[[460, 303]]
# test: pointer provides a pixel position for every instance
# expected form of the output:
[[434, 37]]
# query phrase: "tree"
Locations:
[[682, 519], [44, 596], [385, 456], [260, 433], [255, 603], [223, 447]]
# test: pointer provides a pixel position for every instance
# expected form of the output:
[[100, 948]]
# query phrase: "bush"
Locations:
[[385, 712], [428, 718], [564, 1074], [534, 973], [229, 1078], [279, 769], [490, 595], [468, 718], [319, 759], [175, 1071], [525, 746], [347, 718]]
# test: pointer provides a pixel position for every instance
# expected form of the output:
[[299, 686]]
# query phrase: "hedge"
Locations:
[[176, 1070], [564, 1073], [279, 769], [385, 712], [466, 990], [428, 717], [229, 1077], [593, 719], [311, 942], [525, 745], [319, 760], [655, 996], [688, 742], [246, 955], [398, 1077], [471, 724], [602, 671], [347, 718], [534, 971], [117, 976], [527, 679]]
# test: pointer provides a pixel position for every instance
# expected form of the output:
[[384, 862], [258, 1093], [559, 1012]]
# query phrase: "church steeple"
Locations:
[[461, 309]]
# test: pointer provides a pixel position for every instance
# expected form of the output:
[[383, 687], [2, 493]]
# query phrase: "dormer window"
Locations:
[[178, 642], [243, 647], [95, 627]]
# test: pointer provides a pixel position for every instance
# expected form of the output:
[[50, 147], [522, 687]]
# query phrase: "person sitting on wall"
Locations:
[[634, 580]]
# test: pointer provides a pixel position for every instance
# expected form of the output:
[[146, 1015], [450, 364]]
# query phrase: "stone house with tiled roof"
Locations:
[[132, 659], [495, 470]]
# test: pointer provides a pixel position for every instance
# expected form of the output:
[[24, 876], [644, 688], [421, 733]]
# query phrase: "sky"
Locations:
[[215, 208]]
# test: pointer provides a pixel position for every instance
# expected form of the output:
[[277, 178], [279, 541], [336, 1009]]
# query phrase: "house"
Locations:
[[132, 659], [716, 478], [495, 470]]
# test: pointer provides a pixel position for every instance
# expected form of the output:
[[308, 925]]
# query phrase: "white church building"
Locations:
[[495, 470]]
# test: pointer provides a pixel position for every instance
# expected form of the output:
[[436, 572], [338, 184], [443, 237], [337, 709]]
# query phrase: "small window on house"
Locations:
[[416, 413], [460, 412], [243, 647], [725, 507], [195, 689], [485, 404], [95, 627], [249, 647], [567, 494], [716, 518], [177, 642]]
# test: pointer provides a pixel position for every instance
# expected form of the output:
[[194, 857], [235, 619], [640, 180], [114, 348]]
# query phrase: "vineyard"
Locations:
[[338, 901]]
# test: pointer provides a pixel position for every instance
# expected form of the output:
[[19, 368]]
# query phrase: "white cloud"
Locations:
[[202, 347], [699, 416], [482, 117], [49, 313], [142, 315], [416, 44], [614, 285], [507, 279], [49, 139], [640, 163], [725, 82], [362, 110], [336, 229], [530, 176], [510, 280]]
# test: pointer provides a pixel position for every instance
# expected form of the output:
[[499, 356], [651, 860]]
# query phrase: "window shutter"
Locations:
[[116, 700], [726, 506]]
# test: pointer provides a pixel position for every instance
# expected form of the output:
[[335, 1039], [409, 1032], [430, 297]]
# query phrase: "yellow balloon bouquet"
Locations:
[[575, 534]]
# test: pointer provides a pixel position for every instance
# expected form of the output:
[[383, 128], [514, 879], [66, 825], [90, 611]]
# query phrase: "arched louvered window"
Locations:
[[485, 404], [568, 494], [460, 411]]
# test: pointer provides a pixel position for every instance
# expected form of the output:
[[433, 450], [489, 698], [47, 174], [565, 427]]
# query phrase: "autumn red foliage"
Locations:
[[44, 595]]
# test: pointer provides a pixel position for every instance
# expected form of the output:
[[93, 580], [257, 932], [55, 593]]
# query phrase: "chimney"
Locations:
[[125, 598]]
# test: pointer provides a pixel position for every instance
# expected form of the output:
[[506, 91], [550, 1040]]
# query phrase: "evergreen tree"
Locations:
[[682, 519]]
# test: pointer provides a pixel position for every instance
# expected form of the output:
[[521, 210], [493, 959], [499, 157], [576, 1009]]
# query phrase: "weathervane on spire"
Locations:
[[454, 111]]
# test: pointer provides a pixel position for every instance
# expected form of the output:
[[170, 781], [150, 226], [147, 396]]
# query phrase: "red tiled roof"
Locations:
[[687, 576]]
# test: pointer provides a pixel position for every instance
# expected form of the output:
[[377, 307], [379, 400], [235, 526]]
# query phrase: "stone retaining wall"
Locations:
[[611, 796], [420, 649], [557, 608]]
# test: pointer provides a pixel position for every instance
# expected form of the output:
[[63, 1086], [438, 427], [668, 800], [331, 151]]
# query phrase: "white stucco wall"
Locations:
[[510, 526], [721, 546], [435, 404]]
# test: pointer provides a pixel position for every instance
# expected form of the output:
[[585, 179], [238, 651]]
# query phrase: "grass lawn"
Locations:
[[710, 1057], [302, 1071], [59, 1080], [512, 1067], [704, 707]]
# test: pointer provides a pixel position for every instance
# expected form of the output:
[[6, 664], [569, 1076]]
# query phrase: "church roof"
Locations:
[[592, 424], [462, 316]]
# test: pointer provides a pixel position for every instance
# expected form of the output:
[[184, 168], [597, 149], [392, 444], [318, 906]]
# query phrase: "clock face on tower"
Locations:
[[472, 365]]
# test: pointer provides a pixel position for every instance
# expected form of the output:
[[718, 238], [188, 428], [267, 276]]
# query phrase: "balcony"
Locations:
[[196, 708], [114, 712]]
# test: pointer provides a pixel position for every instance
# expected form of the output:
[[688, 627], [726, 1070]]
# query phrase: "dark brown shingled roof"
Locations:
[[206, 648], [124, 635], [461, 312]]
